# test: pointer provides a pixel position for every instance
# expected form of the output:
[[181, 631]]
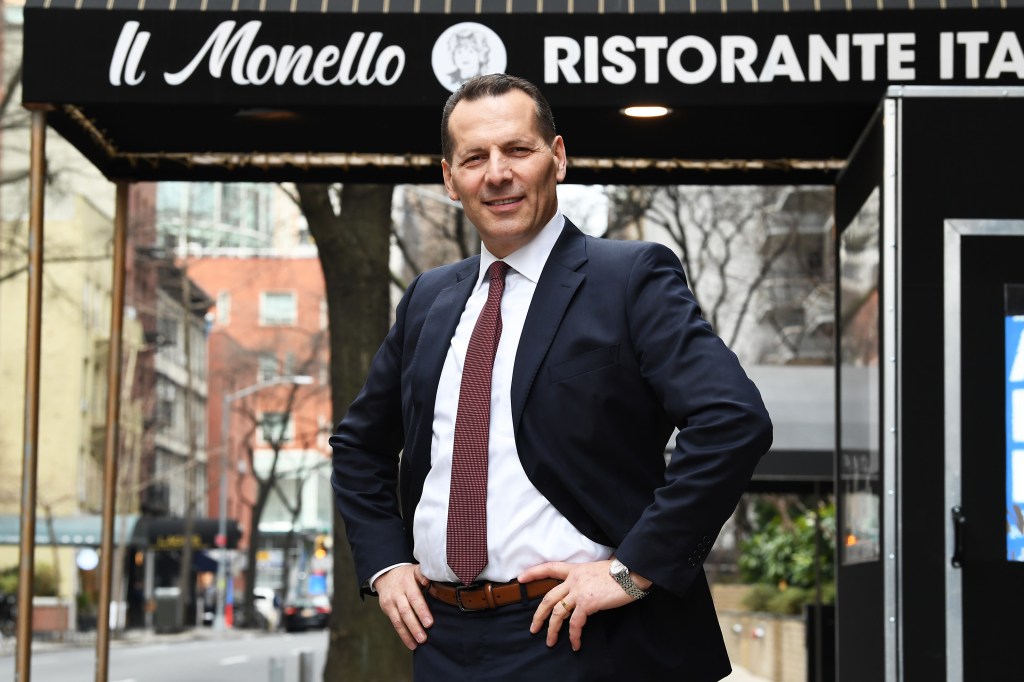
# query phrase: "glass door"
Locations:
[[984, 347]]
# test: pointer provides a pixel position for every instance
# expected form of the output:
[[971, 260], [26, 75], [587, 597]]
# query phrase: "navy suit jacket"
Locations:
[[614, 355]]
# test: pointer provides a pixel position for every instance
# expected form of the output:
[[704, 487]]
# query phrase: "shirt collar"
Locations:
[[528, 260]]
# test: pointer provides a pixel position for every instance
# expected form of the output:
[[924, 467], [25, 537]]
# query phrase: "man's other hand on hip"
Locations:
[[402, 599]]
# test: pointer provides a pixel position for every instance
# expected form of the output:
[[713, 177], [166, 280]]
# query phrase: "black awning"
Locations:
[[356, 96], [167, 533], [787, 471]]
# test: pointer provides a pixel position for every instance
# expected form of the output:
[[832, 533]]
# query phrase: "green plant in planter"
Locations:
[[43, 585], [780, 561]]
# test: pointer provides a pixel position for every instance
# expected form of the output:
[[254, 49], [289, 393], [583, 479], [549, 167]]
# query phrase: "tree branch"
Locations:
[[398, 281], [11, 86], [403, 246]]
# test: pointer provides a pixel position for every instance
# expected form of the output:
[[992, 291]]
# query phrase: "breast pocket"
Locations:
[[586, 362]]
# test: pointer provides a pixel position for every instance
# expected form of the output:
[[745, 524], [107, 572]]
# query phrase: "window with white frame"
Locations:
[[167, 329], [166, 397], [277, 427], [278, 309], [267, 367]]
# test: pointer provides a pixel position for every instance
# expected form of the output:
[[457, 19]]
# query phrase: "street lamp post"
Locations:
[[222, 527]]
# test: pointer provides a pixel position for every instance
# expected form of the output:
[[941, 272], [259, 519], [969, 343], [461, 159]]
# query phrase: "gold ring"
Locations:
[[566, 607]]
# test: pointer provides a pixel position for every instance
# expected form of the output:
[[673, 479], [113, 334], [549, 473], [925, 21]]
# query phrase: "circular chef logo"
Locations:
[[466, 50]]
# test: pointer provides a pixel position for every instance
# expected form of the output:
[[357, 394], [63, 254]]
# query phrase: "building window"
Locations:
[[267, 367], [169, 197], [277, 427], [201, 204], [167, 331], [278, 309], [231, 205], [302, 228], [324, 317], [166, 395], [289, 364], [223, 307]]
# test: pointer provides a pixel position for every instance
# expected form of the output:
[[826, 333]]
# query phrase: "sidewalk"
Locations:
[[73, 639], [141, 636]]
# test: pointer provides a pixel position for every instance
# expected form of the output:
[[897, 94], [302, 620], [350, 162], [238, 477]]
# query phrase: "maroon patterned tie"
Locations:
[[467, 502]]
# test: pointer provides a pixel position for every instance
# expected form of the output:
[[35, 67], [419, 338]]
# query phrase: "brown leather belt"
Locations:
[[483, 596]]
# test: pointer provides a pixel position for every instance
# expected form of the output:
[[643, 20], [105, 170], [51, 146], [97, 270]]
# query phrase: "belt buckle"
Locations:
[[458, 597]]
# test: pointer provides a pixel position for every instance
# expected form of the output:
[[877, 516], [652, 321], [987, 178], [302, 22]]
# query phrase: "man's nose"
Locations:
[[498, 169]]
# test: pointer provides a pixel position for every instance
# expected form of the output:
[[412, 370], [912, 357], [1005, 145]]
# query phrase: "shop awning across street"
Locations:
[[132, 530]]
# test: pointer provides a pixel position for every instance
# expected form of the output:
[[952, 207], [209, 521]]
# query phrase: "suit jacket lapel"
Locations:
[[555, 289], [437, 332]]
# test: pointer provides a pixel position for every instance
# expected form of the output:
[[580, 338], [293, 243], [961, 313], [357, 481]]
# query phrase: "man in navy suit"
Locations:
[[603, 352]]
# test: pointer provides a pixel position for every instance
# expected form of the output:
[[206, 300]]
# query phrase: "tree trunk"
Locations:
[[249, 607], [354, 246]]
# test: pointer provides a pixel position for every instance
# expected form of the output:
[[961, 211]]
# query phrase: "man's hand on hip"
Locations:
[[585, 590], [401, 598]]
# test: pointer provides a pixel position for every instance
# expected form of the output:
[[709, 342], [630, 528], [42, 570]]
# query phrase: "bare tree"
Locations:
[[733, 242], [430, 230], [352, 227], [273, 416], [292, 500], [276, 434]]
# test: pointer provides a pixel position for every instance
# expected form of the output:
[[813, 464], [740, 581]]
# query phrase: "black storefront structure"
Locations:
[[912, 110], [150, 559]]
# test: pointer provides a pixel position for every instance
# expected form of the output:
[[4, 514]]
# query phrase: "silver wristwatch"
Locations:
[[620, 573]]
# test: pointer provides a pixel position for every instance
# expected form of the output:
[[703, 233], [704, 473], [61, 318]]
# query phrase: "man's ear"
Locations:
[[446, 171], [561, 160]]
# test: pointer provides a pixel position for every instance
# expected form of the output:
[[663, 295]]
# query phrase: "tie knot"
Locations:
[[498, 270]]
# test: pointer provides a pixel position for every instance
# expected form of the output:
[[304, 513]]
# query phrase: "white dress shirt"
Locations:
[[523, 528]]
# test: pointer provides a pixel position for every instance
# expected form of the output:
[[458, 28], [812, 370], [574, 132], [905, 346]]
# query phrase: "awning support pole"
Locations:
[[33, 337], [113, 432]]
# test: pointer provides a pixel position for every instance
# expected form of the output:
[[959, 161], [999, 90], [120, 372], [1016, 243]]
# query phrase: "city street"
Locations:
[[198, 656], [235, 658]]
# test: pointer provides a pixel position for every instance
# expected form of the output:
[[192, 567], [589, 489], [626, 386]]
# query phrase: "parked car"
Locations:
[[305, 612]]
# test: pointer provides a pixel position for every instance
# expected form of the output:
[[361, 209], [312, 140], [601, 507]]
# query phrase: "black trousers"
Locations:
[[496, 645]]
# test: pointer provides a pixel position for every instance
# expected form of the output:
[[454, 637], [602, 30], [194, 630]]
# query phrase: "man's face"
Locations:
[[502, 170]]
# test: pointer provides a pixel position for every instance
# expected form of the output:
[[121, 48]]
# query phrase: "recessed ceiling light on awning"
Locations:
[[646, 111]]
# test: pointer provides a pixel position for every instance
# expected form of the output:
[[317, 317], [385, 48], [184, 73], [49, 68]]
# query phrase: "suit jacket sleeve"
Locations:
[[723, 425], [366, 447]]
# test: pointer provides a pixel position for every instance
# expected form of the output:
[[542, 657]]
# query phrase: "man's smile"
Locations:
[[503, 202]]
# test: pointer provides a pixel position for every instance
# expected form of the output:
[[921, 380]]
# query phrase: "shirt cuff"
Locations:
[[373, 578]]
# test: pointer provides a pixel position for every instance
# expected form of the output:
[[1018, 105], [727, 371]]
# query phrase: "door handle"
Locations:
[[959, 520]]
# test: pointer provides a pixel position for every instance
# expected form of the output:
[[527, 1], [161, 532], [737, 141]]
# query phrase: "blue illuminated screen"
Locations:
[[1014, 423]]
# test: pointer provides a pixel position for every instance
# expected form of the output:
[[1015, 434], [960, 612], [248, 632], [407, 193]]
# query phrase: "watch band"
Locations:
[[620, 573]]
